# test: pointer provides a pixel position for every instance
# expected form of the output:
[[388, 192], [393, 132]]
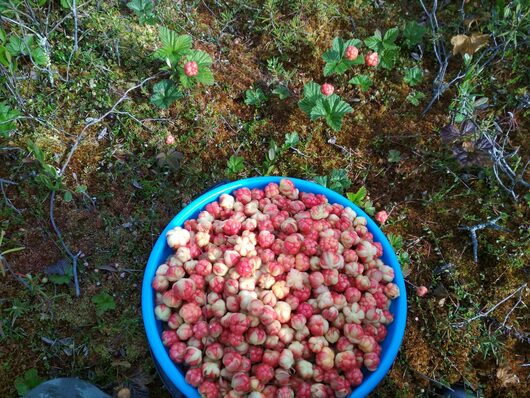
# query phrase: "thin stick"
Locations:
[[482, 314], [4, 194], [473, 233]]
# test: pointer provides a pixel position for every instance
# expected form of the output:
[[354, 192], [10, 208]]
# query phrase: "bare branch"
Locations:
[[482, 314], [473, 232]]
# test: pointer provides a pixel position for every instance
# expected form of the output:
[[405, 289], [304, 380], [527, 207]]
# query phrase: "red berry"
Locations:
[[191, 68], [351, 53], [371, 59], [327, 89]]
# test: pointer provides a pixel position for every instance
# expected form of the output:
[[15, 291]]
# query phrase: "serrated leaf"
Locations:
[[413, 33], [339, 180], [352, 42], [255, 97], [321, 180], [16, 46], [331, 56], [338, 45], [357, 197], [27, 382], [391, 35], [292, 139], [165, 93], [205, 76], [39, 56], [413, 76], [235, 165], [311, 94], [363, 81], [202, 58], [332, 108], [8, 118], [415, 97], [282, 92], [104, 302], [330, 68], [140, 6], [373, 43], [174, 47]]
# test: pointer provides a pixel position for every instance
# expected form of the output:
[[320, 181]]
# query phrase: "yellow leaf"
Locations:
[[463, 44]]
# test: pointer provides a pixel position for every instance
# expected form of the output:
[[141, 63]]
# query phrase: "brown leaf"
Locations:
[[506, 377], [463, 44]]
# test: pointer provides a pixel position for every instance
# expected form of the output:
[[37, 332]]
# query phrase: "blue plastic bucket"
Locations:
[[173, 376]]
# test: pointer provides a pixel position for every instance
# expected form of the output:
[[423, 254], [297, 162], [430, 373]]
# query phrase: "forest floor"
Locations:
[[124, 183]]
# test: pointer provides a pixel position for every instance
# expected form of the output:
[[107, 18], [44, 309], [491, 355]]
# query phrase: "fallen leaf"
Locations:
[[59, 268], [506, 377], [463, 44]]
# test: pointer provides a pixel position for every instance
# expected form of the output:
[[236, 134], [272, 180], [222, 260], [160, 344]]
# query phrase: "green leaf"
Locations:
[[140, 6], [16, 46], [331, 56], [291, 140], [373, 43], [235, 165], [321, 180], [67, 4], [165, 93], [394, 156], [362, 81], [68, 196], [415, 97], [388, 58], [39, 56], [205, 76], [334, 58], [27, 382], [357, 197], [255, 97], [143, 10], [352, 42], [8, 118], [338, 45], [413, 76], [332, 108], [104, 302], [282, 92], [391, 35], [202, 58], [3, 36], [61, 279], [413, 33], [311, 94], [396, 241], [81, 188], [339, 180], [369, 207], [174, 47]]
